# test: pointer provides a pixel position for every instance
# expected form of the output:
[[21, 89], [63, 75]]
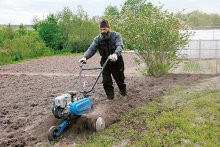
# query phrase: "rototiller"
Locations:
[[69, 106]]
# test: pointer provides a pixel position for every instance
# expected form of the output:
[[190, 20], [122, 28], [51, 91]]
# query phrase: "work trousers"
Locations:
[[116, 69]]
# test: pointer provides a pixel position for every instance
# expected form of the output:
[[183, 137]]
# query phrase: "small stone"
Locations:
[[11, 135], [33, 104], [15, 107]]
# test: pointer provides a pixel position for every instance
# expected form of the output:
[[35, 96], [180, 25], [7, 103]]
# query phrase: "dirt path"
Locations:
[[28, 89]]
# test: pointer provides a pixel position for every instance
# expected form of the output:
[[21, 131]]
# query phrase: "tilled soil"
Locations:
[[28, 89]]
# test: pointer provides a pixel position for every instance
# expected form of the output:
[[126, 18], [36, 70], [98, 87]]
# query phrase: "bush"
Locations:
[[66, 31], [153, 33], [1, 41], [77, 30], [27, 46], [21, 44], [5, 58], [82, 35], [50, 32], [6, 33]]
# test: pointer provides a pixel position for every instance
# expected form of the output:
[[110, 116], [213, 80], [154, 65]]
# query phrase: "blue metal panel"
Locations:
[[81, 107], [62, 126]]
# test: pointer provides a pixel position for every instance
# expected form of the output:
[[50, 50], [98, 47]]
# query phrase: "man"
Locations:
[[110, 46]]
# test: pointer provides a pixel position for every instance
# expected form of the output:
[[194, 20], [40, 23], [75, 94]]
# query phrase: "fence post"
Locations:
[[216, 56], [199, 49]]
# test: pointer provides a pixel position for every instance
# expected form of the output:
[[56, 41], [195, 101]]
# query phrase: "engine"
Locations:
[[60, 107], [68, 105]]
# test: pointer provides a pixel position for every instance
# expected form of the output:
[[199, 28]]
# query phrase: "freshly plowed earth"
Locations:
[[28, 89]]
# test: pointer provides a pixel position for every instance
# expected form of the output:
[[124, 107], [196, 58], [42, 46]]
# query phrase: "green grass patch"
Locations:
[[192, 66], [181, 118]]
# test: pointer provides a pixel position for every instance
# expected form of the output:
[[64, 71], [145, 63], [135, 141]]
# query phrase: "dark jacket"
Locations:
[[106, 47]]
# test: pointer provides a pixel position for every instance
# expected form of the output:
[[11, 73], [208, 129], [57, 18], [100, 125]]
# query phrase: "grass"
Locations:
[[192, 66], [181, 118]]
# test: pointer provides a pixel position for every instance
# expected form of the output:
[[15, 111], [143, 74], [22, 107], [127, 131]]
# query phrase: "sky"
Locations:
[[23, 11]]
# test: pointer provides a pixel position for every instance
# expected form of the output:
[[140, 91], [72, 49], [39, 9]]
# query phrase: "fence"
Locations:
[[202, 49], [203, 56]]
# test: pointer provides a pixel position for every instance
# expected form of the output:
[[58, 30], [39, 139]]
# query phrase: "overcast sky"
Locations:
[[23, 11]]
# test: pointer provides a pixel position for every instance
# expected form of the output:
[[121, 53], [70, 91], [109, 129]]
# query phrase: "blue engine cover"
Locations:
[[81, 107]]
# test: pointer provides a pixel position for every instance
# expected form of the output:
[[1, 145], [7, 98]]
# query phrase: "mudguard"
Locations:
[[81, 107]]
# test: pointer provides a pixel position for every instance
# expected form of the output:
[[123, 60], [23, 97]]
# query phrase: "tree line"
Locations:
[[199, 19], [61, 32]]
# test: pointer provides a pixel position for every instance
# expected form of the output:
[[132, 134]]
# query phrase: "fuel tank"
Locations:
[[81, 107]]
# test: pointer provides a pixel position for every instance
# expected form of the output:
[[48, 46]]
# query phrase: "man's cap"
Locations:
[[104, 24]]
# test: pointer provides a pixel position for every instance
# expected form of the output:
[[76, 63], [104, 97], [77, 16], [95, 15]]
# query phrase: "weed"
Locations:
[[192, 66]]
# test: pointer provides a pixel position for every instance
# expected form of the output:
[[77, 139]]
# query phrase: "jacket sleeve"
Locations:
[[119, 44], [92, 49]]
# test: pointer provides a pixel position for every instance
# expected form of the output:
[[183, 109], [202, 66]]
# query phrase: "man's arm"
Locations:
[[119, 44], [92, 49]]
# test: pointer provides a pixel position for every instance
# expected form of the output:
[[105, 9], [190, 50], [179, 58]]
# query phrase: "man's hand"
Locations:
[[82, 60], [113, 57]]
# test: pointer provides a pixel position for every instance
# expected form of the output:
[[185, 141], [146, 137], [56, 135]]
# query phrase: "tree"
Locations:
[[154, 34], [35, 23], [67, 31], [50, 32], [96, 19], [112, 14], [83, 33], [77, 29], [111, 11], [22, 30], [134, 5], [65, 22], [201, 19]]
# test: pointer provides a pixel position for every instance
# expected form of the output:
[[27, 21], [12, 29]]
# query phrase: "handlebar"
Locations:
[[85, 93]]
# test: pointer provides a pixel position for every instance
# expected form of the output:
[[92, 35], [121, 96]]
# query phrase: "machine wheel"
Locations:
[[51, 133]]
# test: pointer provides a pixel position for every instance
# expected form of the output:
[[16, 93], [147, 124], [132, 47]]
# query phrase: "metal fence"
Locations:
[[205, 55], [202, 49]]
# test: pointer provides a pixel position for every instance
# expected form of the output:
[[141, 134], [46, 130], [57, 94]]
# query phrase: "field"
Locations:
[[27, 91]]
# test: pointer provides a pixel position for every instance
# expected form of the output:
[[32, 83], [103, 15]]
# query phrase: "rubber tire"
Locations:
[[51, 133]]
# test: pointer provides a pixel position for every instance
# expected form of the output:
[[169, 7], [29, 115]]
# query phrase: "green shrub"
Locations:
[[67, 31], [24, 44], [28, 46], [154, 33], [77, 30], [1, 41], [50, 32], [22, 30], [6, 33], [5, 58]]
